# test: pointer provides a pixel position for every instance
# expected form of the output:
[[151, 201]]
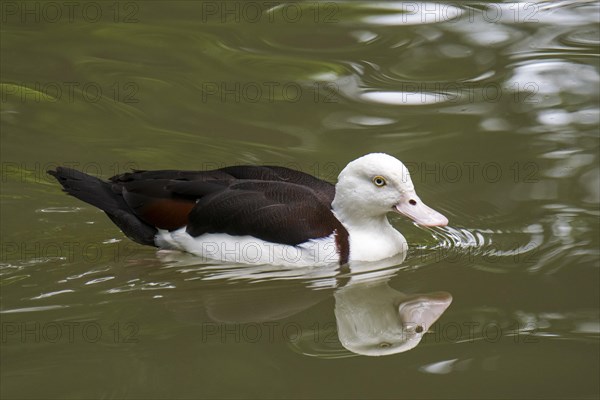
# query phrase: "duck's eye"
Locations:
[[379, 181]]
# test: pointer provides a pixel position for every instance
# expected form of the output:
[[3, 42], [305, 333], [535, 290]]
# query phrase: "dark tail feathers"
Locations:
[[101, 194]]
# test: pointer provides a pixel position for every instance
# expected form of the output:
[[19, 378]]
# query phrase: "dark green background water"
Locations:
[[493, 106]]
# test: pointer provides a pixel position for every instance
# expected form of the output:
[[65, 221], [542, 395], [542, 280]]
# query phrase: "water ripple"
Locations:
[[411, 13], [33, 309], [45, 295], [469, 245]]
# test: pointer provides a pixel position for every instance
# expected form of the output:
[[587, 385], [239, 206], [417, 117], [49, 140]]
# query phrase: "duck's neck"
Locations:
[[371, 237]]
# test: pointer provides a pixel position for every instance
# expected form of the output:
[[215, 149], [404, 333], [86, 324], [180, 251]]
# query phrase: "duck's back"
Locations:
[[274, 204], [325, 191]]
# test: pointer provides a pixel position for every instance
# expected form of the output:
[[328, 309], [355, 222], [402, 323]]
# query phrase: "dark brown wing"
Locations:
[[165, 198], [325, 191], [277, 212]]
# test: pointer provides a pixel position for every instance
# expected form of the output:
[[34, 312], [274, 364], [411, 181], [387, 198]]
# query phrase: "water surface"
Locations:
[[493, 106]]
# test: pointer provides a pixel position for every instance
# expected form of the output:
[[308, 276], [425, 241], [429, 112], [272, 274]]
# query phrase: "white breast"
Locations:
[[369, 245]]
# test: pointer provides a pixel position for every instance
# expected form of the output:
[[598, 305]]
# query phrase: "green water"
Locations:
[[492, 106]]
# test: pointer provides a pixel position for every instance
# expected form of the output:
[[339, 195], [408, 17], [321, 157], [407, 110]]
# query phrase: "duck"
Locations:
[[253, 214]]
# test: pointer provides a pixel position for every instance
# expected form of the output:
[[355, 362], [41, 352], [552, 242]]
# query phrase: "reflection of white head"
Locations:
[[374, 320]]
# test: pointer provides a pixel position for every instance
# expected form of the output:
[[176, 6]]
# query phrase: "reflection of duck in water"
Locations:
[[261, 214], [372, 318]]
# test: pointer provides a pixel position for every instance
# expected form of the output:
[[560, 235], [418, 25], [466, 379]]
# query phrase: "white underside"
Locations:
[[250, 250], [378, 244]]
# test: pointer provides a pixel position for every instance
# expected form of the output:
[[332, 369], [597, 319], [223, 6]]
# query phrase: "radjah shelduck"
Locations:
[[262, 214]]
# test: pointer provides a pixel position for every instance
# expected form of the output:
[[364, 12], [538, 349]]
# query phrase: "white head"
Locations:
[[375, 184]]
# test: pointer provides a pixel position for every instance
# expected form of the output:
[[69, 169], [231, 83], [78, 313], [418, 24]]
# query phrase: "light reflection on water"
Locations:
[[513, 84]]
